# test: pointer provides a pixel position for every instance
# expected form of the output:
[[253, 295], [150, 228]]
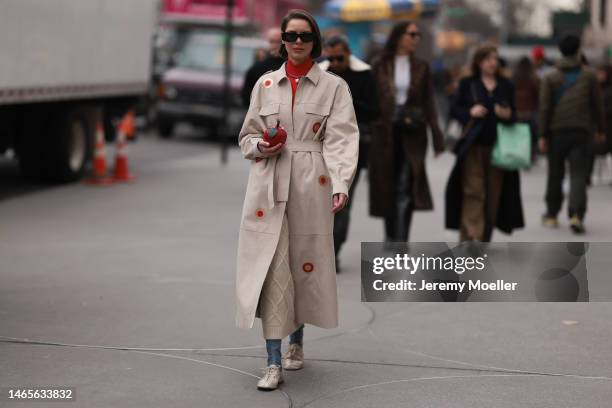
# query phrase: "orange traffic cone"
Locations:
[[129, 126], [122, 172], [99, 176]]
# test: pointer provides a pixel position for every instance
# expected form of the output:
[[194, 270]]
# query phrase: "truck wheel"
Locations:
[[70, 146], [165, 129]]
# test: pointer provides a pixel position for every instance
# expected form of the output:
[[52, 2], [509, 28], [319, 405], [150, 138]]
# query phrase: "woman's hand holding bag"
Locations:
[[264, 147]]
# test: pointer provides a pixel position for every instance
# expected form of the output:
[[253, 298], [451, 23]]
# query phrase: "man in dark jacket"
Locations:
[[271, 63], [358, 75], [571, 106]]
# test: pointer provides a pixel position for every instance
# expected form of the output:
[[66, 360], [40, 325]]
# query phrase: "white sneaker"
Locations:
[[273, 376], [294, 358]]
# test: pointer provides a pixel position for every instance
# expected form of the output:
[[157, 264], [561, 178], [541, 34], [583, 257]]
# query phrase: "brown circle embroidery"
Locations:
[[316, 127], [322, 180], [307, 267], [259, 213]]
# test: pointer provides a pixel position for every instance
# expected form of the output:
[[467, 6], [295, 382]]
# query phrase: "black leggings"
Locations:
[[397, 224]]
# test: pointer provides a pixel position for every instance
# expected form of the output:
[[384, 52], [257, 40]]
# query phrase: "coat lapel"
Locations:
[[413, 76], [390, 70]]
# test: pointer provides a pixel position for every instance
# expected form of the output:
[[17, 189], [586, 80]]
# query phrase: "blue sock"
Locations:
[[274, 351], [297, 337]]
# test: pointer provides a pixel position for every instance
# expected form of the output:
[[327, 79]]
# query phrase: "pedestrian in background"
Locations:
[[260, 55], [527, 94], [480, 196], [504, 68], [285, 268], [358, 76], [398, 179], [570, 106], [604, 75], [271, 62], [593, 149], [542, 65]]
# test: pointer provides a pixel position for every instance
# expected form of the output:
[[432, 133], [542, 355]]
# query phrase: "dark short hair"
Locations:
[[481, 53], [569, 45], [336, 40], [302, 15]]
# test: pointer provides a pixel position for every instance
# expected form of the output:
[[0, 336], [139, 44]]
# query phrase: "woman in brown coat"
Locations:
[[398, 181], [286, 273]]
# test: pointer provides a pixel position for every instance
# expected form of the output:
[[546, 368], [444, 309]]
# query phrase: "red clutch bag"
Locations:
[[275, 135]]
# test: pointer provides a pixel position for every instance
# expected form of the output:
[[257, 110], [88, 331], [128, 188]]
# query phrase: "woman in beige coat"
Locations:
[[286, 270]]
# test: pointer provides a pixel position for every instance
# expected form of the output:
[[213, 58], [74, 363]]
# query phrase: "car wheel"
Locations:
[[165, 129]]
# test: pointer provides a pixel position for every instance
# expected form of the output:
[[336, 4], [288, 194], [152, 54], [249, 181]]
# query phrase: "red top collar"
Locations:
[[299, 70]]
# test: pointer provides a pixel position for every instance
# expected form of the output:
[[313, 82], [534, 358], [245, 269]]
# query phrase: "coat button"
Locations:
[[322, 180], [316, 127], [307, 267], [259, 213]]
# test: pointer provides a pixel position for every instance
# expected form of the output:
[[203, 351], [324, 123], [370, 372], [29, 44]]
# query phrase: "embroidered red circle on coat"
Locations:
[[267, 83], [322, 180], [259, 213], [316, 127], [307, 267]]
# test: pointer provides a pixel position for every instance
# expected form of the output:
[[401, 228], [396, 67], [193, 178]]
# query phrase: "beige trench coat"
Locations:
[[318, 160]]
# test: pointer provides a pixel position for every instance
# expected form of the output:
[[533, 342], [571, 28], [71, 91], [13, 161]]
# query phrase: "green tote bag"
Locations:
[[512, 150]]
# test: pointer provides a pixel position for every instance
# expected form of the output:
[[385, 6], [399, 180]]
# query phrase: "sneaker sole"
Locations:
[[293, 369], [270, 389]]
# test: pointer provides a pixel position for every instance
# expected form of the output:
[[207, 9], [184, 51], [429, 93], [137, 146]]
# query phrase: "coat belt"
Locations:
[[304, 146], [278, 182]]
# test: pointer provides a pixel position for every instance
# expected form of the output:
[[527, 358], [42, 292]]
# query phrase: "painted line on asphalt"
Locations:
[[9, 339], [96, 346], [286, 395], [359, 387], [140, 351]]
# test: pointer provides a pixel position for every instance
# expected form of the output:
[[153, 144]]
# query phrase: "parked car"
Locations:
[[192, 90]]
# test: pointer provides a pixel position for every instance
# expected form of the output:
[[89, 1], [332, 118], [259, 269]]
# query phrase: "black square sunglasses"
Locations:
[[339, 58], [292, 36]]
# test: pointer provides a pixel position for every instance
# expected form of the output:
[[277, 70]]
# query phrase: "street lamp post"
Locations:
[[227, 72]]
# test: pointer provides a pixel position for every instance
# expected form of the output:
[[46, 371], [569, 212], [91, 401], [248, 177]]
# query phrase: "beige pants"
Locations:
[[276, 301], [481, 191]]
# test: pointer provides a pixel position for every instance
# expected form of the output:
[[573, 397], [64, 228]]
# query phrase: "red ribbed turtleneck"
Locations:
[[294, 71]]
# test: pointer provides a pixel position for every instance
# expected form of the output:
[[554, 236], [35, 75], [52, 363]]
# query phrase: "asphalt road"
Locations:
[[127, 293]]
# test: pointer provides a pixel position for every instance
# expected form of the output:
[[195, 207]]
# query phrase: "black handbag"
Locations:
[[408, 119], [458, 143]]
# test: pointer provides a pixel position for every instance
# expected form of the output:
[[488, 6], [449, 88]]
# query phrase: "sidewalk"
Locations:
[[137, 286]]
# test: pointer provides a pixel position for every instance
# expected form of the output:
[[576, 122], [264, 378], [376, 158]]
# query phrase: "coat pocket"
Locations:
[[270, 114], [256, 216], [316, 118]]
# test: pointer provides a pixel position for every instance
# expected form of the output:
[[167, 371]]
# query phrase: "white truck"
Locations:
[[66, 64]]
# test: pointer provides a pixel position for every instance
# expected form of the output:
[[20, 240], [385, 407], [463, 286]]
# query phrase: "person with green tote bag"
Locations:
[[479, 194], [512, 150]]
